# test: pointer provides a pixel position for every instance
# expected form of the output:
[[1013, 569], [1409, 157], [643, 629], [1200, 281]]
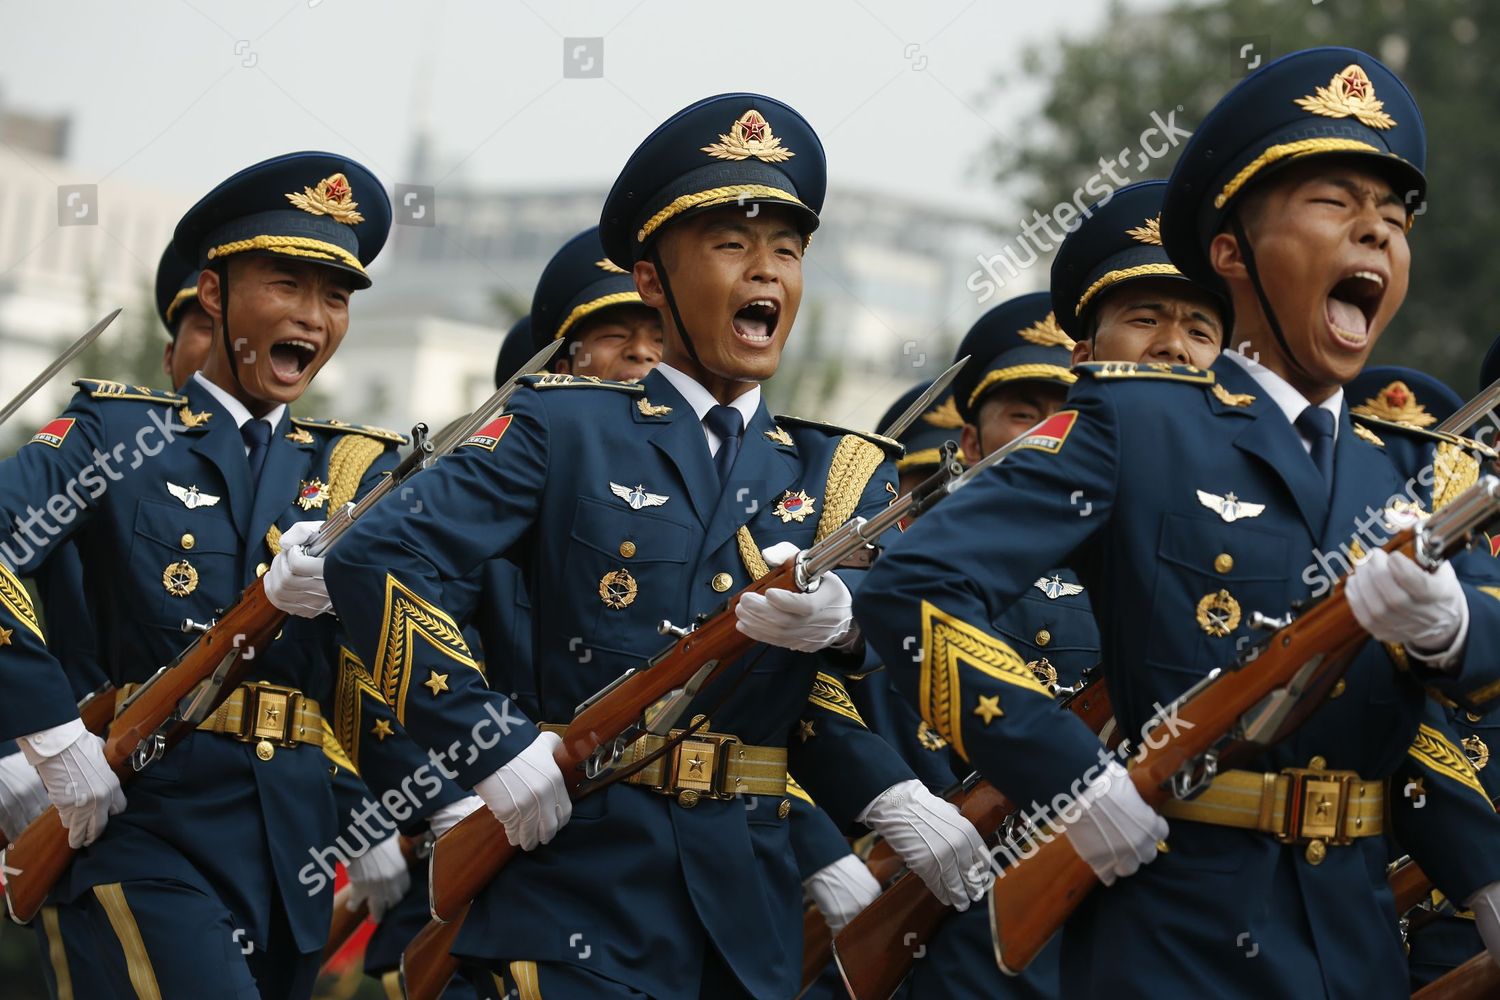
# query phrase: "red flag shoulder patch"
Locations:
[[1050, 434], [54, 433], [489, 435]]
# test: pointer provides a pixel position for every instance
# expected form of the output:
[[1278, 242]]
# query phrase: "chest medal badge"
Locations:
[[638, 497], [180, 578], [1218, 614], [793, 506], [1054, 587], [617, 589], [192, 498], [312, 493], [1230, 507]]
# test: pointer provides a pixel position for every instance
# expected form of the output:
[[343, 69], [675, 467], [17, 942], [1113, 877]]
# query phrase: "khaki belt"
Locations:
[[267, 715], [705, 765], [1296, 806]]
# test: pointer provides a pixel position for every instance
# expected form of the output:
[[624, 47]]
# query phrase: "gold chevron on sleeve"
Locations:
[[334, 751], [354, 683], [854, 462], [408, 617], [13, 598], [1436, 752], [949, 644], [796, 791], [828, 692]]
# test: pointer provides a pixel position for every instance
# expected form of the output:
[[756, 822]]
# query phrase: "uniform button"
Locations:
[[627, 549], [188, 541], [785, 809], [1318, 763], [722, 582], [264, 750], [1223, 562], [260, 569], [687, 798], [1338, 688], [1043, 637], [1316, 852]]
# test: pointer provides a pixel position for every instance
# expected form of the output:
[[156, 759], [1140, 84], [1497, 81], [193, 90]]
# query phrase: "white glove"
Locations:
[[841, 890], [528, 795], [22, 796], [1486, 906], [294, 583], [78, 781], [379, 876], [804, 622], [1395, 600], [446, 818], [933, 839], [1117, 831]]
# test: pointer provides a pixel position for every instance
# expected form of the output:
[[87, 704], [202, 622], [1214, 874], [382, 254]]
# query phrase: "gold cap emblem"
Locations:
[[945, 416], [1147, 232], [332, 197], [1398, 404], [605, 264], [1350, 94], [749, 136], [1046, 333]]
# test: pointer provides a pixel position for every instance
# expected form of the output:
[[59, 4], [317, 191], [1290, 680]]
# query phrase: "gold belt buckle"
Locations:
[[699, 766], [272, 709], [1316, 805]]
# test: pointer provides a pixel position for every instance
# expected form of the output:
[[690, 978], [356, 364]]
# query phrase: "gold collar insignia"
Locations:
[[191, 420], [300, 436], [779, 436], [1228, 398], [650, 409]]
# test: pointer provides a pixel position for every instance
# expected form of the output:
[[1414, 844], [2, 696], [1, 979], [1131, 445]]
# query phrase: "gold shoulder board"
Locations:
[[554, 380], [344, 427], [1112, 370], [100, 388], [890, 446]]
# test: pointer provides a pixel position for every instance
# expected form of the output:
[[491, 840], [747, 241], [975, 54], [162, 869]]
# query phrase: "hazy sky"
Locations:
[[180, 93]]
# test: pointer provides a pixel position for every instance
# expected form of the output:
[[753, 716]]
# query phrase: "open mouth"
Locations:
[[755, 322], [290, 359], [1352, 305]]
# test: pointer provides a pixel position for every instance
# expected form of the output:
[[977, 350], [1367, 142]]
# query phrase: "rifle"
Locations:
[[1476, 979], [1229, 715], [876, 950], [174, 700]]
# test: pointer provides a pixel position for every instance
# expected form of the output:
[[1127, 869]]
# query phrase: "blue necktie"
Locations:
[[726, 422], [1316, 427], [257, 437]]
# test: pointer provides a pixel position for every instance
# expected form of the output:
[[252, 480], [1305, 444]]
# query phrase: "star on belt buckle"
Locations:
[[695, 765]]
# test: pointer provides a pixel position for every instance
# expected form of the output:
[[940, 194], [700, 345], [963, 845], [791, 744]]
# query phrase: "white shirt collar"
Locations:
[[1287, 399], [234, 407], [701, 400]]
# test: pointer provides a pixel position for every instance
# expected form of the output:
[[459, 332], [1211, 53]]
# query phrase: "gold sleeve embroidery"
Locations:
[[1454, 470], [828, 692], [797, 791], [1433, 751], [947, 645], [354, 682], [407, 617], [13, 598]]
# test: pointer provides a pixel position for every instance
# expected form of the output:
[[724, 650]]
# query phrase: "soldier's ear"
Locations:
[[968, 443], [648, 284], [1225, 257], [1082, 352], [208, 293], [166, 358]]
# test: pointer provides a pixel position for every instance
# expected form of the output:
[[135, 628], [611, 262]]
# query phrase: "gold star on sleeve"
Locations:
[[436, 682], [988, 708], [382, 729]]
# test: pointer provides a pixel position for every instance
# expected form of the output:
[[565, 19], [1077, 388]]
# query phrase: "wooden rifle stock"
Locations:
[[41, 853], [1409, 885], [877, 949], [1036, 896], [428, 963], [817, 945], [1476, 979]]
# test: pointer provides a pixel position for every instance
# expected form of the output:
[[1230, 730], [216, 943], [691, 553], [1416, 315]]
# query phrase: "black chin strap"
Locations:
[[666, 289], [1260, 292], [221, 268]]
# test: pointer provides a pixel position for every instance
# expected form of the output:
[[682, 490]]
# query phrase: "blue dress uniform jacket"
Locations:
[[634, 876], [1140, 443], [210, 813]]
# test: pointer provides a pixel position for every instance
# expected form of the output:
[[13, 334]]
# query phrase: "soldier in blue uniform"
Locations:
[[1213, 493], [217, 869], [590, 302], [634, 503]]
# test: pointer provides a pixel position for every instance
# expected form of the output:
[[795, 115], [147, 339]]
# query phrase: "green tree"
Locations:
[[1099, 90]]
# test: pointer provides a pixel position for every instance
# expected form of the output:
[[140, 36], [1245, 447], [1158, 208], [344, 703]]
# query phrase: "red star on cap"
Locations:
[[1355, 85], [754, 128], [1395, 397]]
